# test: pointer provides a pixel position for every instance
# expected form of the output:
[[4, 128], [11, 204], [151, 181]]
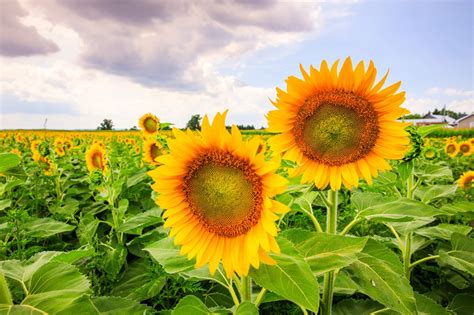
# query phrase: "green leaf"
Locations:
[[344, 284], [8, 161], [426, 130], [462, 254], [462, 304], [444, 231], [190, 305], [458, 207], [431, 171], [20, 310], [325, 252], [5, 296], [138, 282], [105, 305], [433, 192], [5, 204], [46, 227], [114, 259], [74, 256], [291, 277], [379, 274], [401, 210], [405, 169], [427, 306], [364, 200], [359, 307], [167, 254], [136, 178], [69, 208], [406, 227], [136, 224], [246, 308], [87, 228]]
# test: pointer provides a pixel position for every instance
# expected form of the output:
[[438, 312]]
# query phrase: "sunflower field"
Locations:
[[337, 208]]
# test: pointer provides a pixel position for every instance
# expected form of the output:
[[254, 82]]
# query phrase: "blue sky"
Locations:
[[173, 63]]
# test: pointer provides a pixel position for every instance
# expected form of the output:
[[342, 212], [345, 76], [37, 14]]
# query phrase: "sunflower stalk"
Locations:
[[246, 288], [408, 238], [330, 277]]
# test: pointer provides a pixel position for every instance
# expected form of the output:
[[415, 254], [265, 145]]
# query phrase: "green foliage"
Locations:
[[194, 122], [106, 124]]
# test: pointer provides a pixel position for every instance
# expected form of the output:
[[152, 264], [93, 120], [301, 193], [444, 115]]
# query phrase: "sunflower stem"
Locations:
[[260, 297], [330, 277], [230, 287], [408, 238], [350, 225], [246, 288], [422, 260]]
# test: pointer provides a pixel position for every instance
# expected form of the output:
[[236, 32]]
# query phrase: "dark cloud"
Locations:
[[16, 39]]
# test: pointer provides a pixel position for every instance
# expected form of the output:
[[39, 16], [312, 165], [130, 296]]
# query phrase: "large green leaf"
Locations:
[[136, 223], [433, 192], [105, 305], [462, 254], [325, 252], [427, 306], [399, 211], [190, 305], [430, 171], [444, 231], [246, 308], [46, 227], [167, 254], [359, 307], [462, 304], [379, 274], [458, 207], [290, 278], [139, 282], [20, 310], [364, 200], [8, 161], [410, 226], [5, 204]]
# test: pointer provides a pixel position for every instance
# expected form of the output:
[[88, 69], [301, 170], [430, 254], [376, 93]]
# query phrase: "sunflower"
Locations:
[[34, 149], [216, 190], [46, 165], [430, 153], [151, 150], [466, 180], [452, 148], [337, 125], [465, 148], [96, 158], [149, 123]]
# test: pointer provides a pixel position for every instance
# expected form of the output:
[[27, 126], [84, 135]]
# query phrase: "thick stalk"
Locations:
[[246, 288], [330, 277], [407, 255]]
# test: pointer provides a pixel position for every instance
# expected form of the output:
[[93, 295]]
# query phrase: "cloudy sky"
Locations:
[[76, 62]]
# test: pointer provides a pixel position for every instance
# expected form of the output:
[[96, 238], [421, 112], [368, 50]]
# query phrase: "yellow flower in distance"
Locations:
[[465, 148], [466, 180], [149, 123], [96, 158], [151, 150], [337, 125], [217, 192], [452, 149]]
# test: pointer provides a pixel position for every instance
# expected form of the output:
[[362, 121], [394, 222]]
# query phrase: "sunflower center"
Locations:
[[150, 125], [155, 151], [451, 148], [464, 148], [224, 193], [336, 128]]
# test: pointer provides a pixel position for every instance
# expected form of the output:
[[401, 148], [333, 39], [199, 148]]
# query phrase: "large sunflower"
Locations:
[[151, 150], [149, 123], [466, 180], [216, 190], [337, 125], [96, 158]]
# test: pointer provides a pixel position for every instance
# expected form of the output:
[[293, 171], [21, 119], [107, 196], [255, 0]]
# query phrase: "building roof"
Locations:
[[440, 118], [462, 118]]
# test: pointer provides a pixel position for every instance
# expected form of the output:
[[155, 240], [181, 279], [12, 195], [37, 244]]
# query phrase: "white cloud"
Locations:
[[425, 104], [450, 92]]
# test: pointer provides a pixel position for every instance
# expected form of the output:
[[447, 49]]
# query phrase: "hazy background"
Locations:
[[76, 62]]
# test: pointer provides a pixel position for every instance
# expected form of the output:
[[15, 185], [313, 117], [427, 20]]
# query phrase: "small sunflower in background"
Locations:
[[96, 158], [149, 124], [466, 180], [46, 165], [34, 150], [152, 149], [339, 126], [452, 149], [465, 148], [430, 153], [216, 191]]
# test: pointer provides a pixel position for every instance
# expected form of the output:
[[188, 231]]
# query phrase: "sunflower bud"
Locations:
[[416, 142], [96, 177]]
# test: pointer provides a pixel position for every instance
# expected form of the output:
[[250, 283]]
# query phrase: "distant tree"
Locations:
[[195, 122], [246, 127], [450, 113], [412, 116], [134, 128], [106, 124]]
